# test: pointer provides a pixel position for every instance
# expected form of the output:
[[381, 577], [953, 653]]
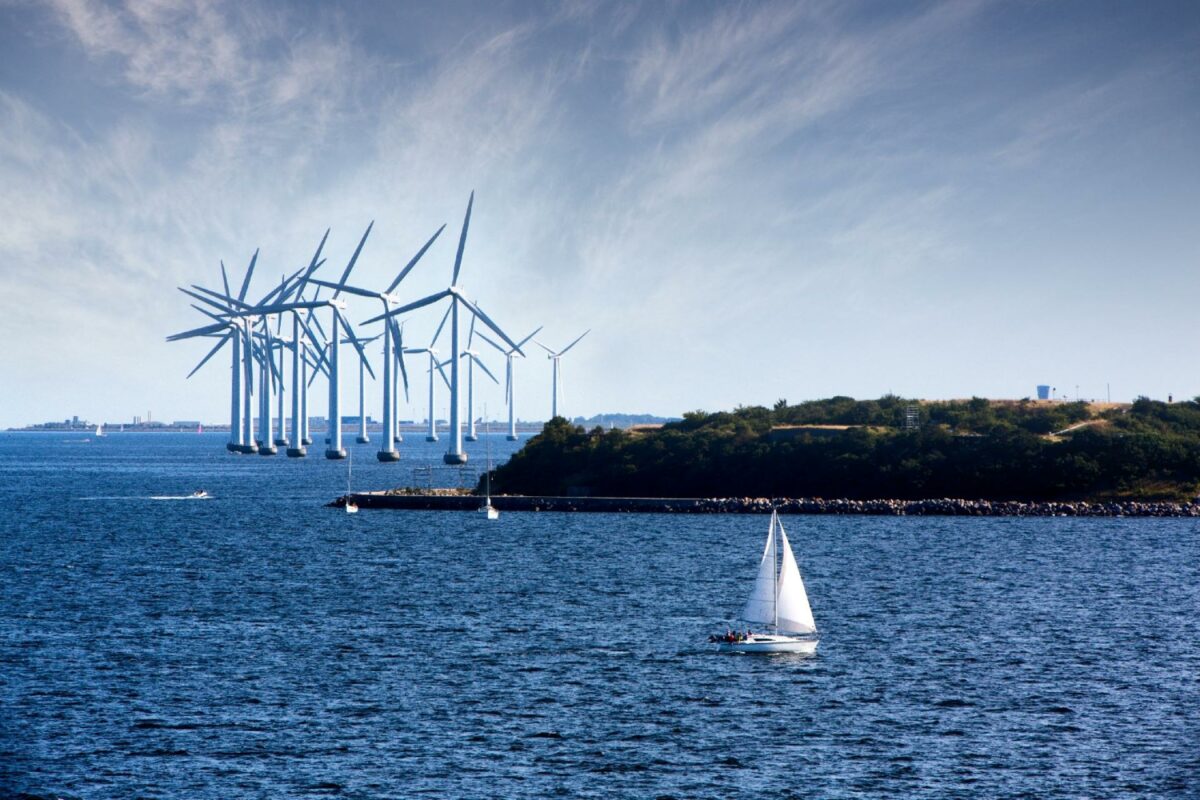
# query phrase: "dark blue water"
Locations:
[[260, 645]]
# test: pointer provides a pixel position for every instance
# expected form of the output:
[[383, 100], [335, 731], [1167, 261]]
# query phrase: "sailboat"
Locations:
[[100, 430], [351, 506], [778, 599], [487, 508]]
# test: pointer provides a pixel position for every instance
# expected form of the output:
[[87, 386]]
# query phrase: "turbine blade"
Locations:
[[194, 332], [462, 240], [249, 272], [487, 339], [354, 258], [572, 344], [441, 325], [424, 301], [225, 279], [221, 306], [398, 346], [211, 353], [530, 336], [477, 311], [210, 315], [341, 287], [229, 301], [471, 332], [317, 261], [483, 367], [408, 267], [320, 351], [547, 349], [354, 341], [442, 372]]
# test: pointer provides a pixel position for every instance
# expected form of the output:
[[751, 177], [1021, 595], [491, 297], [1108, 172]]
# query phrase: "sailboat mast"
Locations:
[[774, 566]]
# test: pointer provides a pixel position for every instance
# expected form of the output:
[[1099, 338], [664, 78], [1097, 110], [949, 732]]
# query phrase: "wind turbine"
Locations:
[[455, 455], [508, 379], [433, 365], [388, 450], [336, 323], [239, 442], [556, 388], [235, 333]]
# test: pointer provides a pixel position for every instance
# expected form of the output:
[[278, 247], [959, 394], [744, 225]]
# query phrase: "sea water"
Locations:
[[259, 644]]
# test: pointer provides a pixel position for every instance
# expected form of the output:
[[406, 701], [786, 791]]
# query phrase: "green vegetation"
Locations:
[[969, 449]]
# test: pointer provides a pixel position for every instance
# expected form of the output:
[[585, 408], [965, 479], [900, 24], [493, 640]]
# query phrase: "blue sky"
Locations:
[[743, 201]]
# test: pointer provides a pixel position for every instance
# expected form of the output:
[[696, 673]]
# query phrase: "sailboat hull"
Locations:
[[770, 643]]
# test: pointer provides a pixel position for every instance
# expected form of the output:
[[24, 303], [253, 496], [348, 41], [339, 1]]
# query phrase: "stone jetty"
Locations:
[[947, 507]]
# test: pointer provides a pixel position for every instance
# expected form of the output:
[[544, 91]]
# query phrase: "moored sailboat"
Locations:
[[778, 599], [487, 509], [351, 506]]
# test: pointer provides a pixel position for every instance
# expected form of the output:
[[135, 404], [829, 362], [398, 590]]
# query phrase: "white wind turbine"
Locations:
[[455, 455], [556, 387], [509, 354], [391, 344]]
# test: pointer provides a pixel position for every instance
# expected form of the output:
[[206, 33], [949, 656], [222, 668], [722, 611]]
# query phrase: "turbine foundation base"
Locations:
[[307, 440], [471, 438], [431, 438], [334, 455], [363, 440], [267, 450], [282, 442], [388, 456], [454, 458], [512, 438], [296, 452]]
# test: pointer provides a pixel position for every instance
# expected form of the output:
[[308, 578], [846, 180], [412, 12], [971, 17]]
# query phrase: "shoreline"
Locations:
[[941, 507]]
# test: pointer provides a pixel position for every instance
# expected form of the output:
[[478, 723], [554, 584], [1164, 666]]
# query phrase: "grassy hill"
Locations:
[[842, 447]]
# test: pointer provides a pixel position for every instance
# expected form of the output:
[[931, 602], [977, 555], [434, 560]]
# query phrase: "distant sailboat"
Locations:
[[778, 599], [100, 430], [487, 508], [351, 506], [199, 428]]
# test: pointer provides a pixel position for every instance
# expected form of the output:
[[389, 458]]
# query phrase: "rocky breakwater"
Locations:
[[950, 507], [452, 500]]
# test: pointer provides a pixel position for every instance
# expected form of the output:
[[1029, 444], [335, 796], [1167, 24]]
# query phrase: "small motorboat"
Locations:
[[199, 494]]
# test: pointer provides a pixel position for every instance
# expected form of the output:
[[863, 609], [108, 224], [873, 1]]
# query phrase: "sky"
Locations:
[[742, 201]]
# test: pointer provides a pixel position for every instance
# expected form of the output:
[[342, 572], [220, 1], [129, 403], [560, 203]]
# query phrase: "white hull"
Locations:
[[769, 643], [490, 511], [351, 508]]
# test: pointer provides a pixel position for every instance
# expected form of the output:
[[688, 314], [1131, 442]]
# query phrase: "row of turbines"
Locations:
[[260, 345]]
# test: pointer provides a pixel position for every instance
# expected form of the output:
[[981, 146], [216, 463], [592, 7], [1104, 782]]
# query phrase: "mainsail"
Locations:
[[780, 600]]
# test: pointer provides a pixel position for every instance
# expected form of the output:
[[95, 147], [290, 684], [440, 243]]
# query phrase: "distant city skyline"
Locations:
[[743, 202]]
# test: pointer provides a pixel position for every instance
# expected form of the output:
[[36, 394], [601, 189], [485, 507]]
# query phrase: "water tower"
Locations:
[[1043, 391]]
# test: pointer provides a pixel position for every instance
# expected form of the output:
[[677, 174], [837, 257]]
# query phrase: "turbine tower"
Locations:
[[556, 387]]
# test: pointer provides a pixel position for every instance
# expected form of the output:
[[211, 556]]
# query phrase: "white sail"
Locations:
[[760, 607], [795, 615]]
